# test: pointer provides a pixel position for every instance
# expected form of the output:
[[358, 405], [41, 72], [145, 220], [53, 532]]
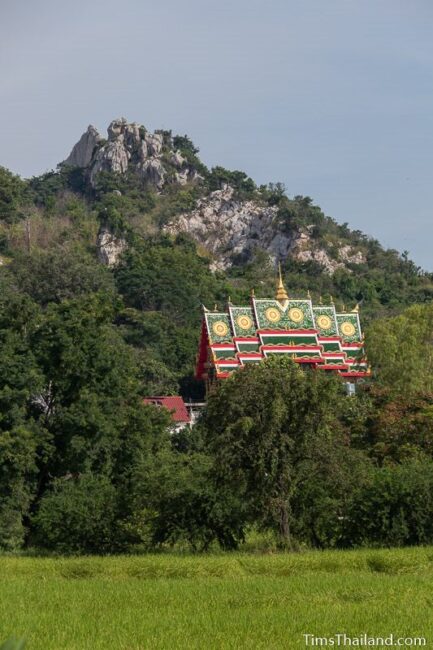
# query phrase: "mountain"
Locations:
[[228, 226], [138, 216]]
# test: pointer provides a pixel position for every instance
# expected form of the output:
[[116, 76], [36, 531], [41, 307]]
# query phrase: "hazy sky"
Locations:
[[332, 97]]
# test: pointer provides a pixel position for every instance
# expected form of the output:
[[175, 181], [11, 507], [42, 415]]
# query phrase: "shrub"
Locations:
[[77, 515]]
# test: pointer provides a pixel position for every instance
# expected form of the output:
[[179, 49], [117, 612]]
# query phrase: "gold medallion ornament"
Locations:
[[324, 322], [220, 328], [244, 322], [348, 328], [296, 315], [273, 315]]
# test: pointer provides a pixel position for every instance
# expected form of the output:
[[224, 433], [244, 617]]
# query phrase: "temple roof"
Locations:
[[317, 335]]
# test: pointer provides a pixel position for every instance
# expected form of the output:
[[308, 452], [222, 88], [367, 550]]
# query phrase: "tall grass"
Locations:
[[217, 601]]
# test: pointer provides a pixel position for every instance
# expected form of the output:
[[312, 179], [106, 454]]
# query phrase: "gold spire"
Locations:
[[308, 295], [355, 310], [215, 307], [320, 300], [281, 294], [252, 293]]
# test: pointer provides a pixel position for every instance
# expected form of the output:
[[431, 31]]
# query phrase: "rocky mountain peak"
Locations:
[[129, 146]]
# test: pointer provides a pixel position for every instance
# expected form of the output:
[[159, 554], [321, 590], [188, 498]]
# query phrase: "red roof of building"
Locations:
[[174, 404]]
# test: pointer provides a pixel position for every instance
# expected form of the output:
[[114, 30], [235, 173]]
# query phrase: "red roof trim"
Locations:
[[332, 366], [312, 360], [289, 332]]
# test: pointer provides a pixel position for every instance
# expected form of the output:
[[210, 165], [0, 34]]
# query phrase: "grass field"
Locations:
[[217, 601]]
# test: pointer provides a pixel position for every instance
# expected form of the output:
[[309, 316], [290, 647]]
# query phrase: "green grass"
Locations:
[[217, 601]]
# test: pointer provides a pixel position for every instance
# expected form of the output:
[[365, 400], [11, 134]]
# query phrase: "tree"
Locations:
[[241, 183], [91, 383], [184, 144], [400, 350], [394, 507], [20, 436], [60, 273], [261, 426], [173, 501], [77, 515], [13, 195]]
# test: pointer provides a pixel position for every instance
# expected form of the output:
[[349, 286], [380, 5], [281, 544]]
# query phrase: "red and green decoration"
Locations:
[[310, 334]]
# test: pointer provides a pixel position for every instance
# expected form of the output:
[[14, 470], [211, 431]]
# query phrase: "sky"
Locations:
[[334, 98]]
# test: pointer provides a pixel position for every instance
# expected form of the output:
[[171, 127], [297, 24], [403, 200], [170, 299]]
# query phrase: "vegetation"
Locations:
[[267, 436], [246, 601], [85, 467]]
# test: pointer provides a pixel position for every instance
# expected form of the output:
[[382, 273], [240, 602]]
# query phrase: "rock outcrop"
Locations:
[[130, 146], [110, 247], [152, 171], [82, 153], [232, 231]]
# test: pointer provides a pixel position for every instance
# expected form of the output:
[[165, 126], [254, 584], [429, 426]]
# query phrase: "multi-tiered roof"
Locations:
[[310, 334]]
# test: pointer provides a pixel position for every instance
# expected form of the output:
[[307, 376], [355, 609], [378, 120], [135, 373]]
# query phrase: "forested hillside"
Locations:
[[104, 266], [144, 223]]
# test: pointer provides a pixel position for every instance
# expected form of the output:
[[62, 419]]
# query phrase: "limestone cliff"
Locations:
[[232, 231]]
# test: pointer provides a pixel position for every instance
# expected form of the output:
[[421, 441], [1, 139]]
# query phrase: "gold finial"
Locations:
[[355, 310], [215, 308], [229, 300], [281, 294], [344, 307], [308, 295], [331, 300], [252, 293], [320, 300]]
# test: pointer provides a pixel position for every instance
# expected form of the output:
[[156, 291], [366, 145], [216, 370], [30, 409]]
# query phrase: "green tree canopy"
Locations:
[[261, 426], [400, 350]]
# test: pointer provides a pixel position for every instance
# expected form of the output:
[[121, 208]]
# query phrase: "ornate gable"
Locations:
[[310, 334]]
